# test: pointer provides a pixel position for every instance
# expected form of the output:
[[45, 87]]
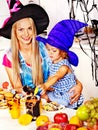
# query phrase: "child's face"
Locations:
[[54, 53]]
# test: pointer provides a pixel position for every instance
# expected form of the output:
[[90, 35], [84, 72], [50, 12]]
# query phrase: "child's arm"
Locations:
[[53, 79]]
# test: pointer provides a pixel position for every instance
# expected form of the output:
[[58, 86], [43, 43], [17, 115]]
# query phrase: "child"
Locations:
[[61, 75]]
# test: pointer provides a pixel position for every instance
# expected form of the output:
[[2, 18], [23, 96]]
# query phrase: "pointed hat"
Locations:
[[18, 11], [62, 36]]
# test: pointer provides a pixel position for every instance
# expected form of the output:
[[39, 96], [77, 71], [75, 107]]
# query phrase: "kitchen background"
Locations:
[[58, 10]]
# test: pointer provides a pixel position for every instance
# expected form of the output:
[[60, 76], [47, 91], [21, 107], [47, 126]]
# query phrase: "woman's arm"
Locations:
[[77, 89], [8, 67], [18, 85]]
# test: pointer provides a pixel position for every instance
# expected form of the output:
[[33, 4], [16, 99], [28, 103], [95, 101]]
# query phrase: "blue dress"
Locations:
[[61, 87], [26, 72]]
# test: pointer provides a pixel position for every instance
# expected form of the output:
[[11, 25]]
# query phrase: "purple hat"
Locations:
[[18, 11], [62, 36]]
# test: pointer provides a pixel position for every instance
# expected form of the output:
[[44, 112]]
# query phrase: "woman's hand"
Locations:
[[76, 90], [18, 89]]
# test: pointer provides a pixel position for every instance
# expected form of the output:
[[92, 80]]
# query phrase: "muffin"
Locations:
[[1, 97], [8, 96], [3, 92], [1, 89]]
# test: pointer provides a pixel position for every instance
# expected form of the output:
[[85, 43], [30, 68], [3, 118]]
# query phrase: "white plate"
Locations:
[[59, 108], [52, 105]]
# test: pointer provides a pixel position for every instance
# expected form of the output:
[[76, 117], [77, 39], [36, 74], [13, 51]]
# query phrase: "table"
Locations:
[[7, 123]]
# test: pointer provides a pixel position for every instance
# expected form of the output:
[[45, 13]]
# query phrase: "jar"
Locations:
[[33, 106]]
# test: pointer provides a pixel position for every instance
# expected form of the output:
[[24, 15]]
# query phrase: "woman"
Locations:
[[23, 48], [25, 62]]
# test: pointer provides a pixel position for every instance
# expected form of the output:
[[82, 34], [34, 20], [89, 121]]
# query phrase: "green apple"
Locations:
[[82, 113]]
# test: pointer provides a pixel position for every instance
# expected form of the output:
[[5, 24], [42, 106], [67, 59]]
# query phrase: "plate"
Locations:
[[52, 106]]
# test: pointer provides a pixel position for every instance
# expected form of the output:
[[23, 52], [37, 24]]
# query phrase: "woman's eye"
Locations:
[[30, 28], [21, 29]]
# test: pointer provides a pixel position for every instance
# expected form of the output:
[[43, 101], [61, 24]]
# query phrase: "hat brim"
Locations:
[[52, 42], [34, 11], [72, 57]]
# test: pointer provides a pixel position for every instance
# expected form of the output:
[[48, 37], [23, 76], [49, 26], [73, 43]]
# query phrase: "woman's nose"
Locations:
[[26, 33]]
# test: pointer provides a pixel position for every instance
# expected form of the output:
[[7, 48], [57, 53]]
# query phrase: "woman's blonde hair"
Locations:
[[37, 74]]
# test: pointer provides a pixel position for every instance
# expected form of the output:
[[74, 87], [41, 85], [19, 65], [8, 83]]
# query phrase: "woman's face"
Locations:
[[24, 31], [54, 53]]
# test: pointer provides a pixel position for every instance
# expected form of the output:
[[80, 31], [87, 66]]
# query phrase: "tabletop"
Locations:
[[7, 123]]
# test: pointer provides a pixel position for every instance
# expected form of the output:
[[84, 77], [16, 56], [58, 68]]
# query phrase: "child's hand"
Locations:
[[43, 88], [50, 89], [37, 91]]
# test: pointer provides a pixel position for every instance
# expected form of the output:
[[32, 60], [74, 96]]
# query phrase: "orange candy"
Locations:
[[5, 85]]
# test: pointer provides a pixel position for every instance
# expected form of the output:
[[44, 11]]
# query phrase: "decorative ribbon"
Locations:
[[14, 6]]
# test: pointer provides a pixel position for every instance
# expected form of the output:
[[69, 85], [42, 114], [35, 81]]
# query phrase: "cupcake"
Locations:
[[3, 92], [1, 89], [8, 96], [1, 97]]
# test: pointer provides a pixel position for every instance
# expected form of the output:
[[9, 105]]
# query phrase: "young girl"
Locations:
[[61, 75]]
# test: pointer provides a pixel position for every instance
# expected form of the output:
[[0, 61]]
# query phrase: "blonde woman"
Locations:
[[23, 62], [26, 62]]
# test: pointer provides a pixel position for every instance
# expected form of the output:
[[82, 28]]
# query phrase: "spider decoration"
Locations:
[[83, 5]]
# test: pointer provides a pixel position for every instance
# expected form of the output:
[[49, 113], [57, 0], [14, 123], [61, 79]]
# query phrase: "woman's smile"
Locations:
[[26, 38], [24, 31]]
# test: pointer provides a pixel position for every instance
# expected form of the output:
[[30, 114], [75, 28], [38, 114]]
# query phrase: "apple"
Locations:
[[82, 113], [63, 124], [42, 128], [70, 127], [61, 118], [54, 126], [50, 126]]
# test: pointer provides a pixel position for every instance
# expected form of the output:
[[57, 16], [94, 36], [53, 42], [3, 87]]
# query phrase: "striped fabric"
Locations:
[[60, 94]]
